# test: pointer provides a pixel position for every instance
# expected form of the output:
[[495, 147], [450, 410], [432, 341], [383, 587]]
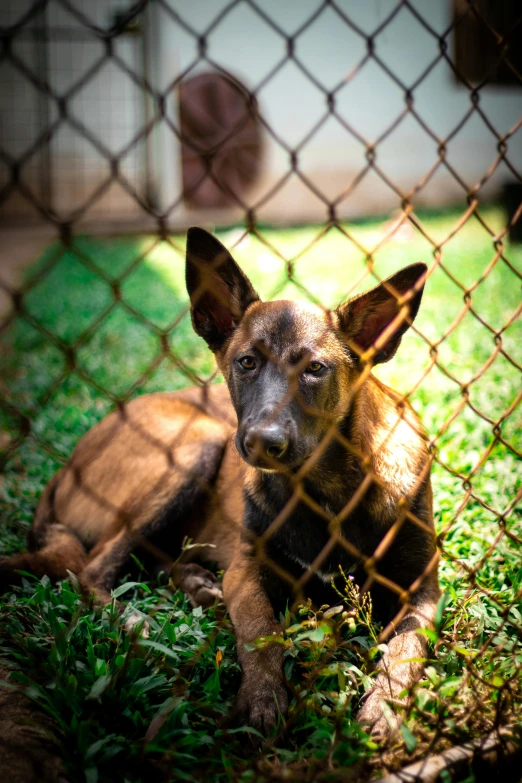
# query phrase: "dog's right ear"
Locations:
[[219, 291]]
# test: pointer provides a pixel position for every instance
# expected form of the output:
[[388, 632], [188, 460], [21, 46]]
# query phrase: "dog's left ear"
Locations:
[[380, 317], [219, 291]]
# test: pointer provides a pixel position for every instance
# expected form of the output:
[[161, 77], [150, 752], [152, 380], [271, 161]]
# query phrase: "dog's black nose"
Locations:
[[269, 439]]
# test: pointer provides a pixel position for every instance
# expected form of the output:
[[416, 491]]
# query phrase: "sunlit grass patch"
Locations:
[[110, 320]]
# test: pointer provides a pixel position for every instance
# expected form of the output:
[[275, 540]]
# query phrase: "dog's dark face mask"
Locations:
[[292, 369], [288, 373]]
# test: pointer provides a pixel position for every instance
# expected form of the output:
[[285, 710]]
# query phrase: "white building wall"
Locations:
[[369, 102], [332, 159]]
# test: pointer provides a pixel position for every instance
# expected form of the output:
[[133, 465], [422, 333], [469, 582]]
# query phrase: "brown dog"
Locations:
[[315, 465]]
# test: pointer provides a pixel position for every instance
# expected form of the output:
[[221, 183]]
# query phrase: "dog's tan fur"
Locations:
[[29, 739], [166, 466]]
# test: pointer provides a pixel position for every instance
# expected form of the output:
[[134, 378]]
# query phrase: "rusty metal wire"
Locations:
[[158, 223]]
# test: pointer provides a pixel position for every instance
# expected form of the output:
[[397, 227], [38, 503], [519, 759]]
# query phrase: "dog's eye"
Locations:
[[314, 368], [247, 362]]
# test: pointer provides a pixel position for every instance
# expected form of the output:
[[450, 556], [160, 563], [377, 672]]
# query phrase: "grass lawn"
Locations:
[[138, 710]]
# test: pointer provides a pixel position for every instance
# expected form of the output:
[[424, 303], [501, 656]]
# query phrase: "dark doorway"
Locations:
[[221, 140]]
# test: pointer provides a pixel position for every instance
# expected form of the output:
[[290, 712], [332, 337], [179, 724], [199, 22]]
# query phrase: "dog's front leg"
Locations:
[[401, 665], [262, 697]]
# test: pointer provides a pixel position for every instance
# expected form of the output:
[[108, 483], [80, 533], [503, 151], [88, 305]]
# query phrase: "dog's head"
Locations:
[[292, 369]]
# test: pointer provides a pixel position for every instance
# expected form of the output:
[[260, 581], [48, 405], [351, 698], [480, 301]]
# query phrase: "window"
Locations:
[[488, 41]]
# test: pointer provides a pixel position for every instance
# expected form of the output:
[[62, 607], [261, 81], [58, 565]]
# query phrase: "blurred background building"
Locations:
[[278, 109]]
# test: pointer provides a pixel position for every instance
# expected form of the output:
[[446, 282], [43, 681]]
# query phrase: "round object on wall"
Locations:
[[220, 140]]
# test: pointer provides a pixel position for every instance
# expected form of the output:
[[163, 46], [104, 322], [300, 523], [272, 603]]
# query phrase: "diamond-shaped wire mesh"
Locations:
[[119, 135]]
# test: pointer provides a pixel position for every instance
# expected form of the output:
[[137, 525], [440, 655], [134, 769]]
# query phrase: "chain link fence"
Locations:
[[124, 125]]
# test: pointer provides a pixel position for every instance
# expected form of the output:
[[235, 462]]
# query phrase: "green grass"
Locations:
[[139, 710]]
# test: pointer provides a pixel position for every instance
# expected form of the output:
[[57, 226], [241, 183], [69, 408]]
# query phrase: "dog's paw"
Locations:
[[261, 706], [137, 624], [200, 585]]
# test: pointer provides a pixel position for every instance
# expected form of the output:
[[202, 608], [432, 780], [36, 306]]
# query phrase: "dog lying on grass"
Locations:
[[302, 464]]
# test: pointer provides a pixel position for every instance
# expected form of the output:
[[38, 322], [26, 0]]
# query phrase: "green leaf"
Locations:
[[119, 661], [170, 652], [463, 651], [128, 586], [91, 656], [497, 682], [449, 686], [430, 633], [317, 635], [409, 739], [212, 686], [101, 684], [439, 612]]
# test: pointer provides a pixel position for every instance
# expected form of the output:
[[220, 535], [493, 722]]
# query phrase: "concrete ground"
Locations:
[[18, 249]]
